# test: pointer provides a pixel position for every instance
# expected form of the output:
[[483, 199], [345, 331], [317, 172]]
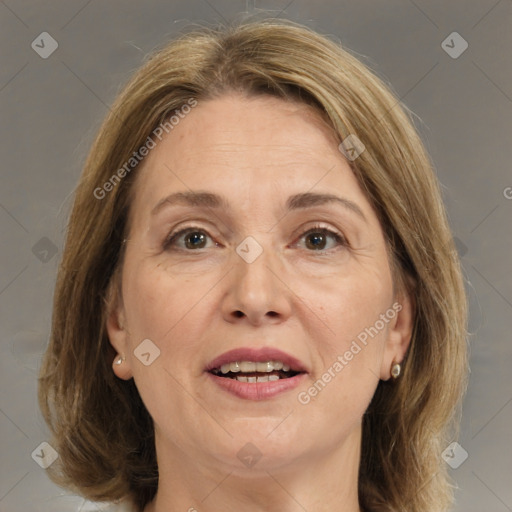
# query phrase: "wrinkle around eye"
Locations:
[[172, 222], [182, 234]]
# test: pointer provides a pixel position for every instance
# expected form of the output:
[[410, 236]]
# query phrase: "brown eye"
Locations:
[[187, 239], [318, 238], [195, 240]]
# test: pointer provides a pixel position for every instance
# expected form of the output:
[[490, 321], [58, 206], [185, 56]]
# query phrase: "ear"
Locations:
[[399, 333], [117, 332]]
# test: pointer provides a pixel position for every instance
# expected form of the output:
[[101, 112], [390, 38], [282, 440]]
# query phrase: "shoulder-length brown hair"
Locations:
[[101, 429]]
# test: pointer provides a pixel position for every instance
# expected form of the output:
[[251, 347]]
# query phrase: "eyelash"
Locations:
[[340, 239]]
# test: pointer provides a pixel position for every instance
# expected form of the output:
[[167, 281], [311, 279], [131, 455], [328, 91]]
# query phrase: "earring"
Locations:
[[395, 370], [119, 360]]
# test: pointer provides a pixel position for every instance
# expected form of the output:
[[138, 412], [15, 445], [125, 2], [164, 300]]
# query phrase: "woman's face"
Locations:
[[270, 266]]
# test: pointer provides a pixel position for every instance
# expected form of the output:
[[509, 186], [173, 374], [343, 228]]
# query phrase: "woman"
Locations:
[[259, 305]]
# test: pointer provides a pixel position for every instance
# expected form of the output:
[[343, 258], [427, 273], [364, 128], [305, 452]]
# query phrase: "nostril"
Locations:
[[239, 314]]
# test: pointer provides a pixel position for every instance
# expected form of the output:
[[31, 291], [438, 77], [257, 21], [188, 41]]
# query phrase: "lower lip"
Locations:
[[257, 390]]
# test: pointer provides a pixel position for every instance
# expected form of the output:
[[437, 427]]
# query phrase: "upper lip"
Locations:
[[257, 355]]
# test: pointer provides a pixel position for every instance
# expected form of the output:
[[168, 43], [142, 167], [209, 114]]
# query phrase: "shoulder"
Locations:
[[122, 506]]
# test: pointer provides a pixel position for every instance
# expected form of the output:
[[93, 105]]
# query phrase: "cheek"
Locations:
[[157, 302], [174, 311], [350, 347], [348, 304], [163, 308]]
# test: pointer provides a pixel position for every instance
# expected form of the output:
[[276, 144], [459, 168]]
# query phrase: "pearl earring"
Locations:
[[119, 360], [395, 370]]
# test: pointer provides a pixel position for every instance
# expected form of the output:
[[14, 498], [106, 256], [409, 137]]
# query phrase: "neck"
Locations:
[[322, 482]]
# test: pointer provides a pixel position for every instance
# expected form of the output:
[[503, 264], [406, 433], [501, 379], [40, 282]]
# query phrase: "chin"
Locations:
[[257, 445]]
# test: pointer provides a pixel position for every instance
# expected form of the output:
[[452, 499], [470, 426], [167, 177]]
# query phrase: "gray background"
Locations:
[[52, 107]]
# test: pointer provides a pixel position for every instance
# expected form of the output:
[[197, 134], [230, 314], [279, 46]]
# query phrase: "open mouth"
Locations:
[[253, 372]]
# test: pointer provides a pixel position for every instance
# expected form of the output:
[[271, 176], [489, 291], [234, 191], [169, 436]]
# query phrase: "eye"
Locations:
[[193, 238], [317, 237]]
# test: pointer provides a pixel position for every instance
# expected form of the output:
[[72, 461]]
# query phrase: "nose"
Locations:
[[257, 291]]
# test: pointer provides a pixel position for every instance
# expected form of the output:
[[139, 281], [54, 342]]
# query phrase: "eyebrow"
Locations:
[[296, 202]]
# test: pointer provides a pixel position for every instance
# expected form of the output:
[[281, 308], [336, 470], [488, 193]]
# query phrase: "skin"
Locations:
[[197, 303]]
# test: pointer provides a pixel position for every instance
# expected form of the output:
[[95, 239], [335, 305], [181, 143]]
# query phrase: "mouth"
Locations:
[[253, 371], [256, 374]]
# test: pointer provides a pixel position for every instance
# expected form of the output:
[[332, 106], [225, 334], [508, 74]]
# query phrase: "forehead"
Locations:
[[245, 148]]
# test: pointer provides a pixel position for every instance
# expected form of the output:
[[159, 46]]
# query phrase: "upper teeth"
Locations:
[[250, 366]]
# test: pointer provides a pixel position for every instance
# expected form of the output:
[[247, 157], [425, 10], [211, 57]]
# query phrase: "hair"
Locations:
[[101, 429]]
